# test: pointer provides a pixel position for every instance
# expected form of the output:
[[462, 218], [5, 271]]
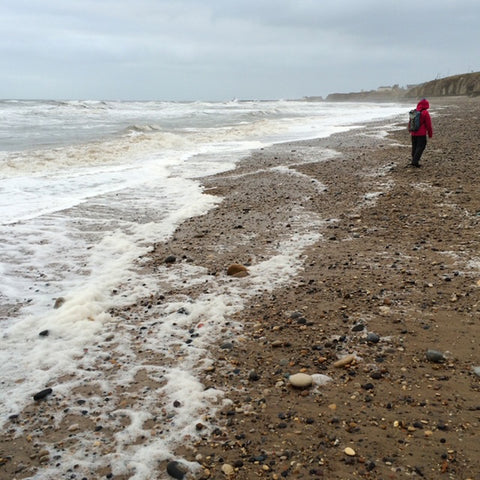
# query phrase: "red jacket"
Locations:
[[425, 120]]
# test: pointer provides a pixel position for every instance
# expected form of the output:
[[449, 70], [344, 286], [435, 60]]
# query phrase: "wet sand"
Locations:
[[395, 272]]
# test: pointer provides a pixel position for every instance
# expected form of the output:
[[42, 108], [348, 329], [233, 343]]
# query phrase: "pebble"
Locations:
[[435, 356], [42, 394], [44, 333], [59, 302], [373, 338], [171, 259], [300, 380], [176, 470], [358, 327], [237, 270], [228, 470], [350, 452], [476, 371], [344, 361]]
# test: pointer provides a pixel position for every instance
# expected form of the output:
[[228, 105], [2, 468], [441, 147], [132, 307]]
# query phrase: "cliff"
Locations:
[[467, 84]]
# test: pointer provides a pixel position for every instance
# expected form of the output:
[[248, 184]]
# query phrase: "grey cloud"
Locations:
[[216, 48]]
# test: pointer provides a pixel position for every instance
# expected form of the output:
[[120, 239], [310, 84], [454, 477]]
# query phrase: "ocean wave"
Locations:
[[142, 129]]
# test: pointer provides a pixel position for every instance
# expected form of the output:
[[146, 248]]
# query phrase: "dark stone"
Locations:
[[373, 338], [44, 333], [171, 259], [358, 327], [441, 426], [258, 458], [176, 470], [253, 376], [368, 386], [42, 394]]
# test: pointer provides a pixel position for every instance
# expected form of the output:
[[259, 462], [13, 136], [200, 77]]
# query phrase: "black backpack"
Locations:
[[414, 120]]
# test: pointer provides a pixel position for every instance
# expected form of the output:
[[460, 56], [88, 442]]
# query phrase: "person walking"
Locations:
[[419, 137]]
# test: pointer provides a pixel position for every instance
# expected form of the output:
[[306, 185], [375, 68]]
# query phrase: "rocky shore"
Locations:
[[365, 363], [392, 288]]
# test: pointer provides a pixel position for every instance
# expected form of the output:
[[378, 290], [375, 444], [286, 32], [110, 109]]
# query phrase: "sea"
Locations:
[[86, 189]]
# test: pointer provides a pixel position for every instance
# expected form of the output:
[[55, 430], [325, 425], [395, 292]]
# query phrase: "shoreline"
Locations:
[[392, 260], [382, 284]]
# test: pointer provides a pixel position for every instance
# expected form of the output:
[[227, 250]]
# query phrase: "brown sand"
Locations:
[[399, 255]]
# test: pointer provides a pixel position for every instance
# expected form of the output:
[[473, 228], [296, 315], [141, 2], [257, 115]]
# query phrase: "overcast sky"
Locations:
[[224, 49]]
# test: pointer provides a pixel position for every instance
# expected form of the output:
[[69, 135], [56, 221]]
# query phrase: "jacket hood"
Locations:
[[423, 104]]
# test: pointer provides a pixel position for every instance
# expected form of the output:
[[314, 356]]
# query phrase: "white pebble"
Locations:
[[300, 380]]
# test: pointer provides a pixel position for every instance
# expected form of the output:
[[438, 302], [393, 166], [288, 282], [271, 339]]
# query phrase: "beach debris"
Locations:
[[345, 361], [349, 451], [300, 380], [237, 270], [42, 394], [435, 356], [58, 302], [476, 371], [176, 470]]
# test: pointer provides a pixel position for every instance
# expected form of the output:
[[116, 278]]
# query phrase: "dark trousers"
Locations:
[[419, 142]]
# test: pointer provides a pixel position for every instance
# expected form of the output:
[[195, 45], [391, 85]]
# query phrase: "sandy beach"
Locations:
[[391, 286]]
